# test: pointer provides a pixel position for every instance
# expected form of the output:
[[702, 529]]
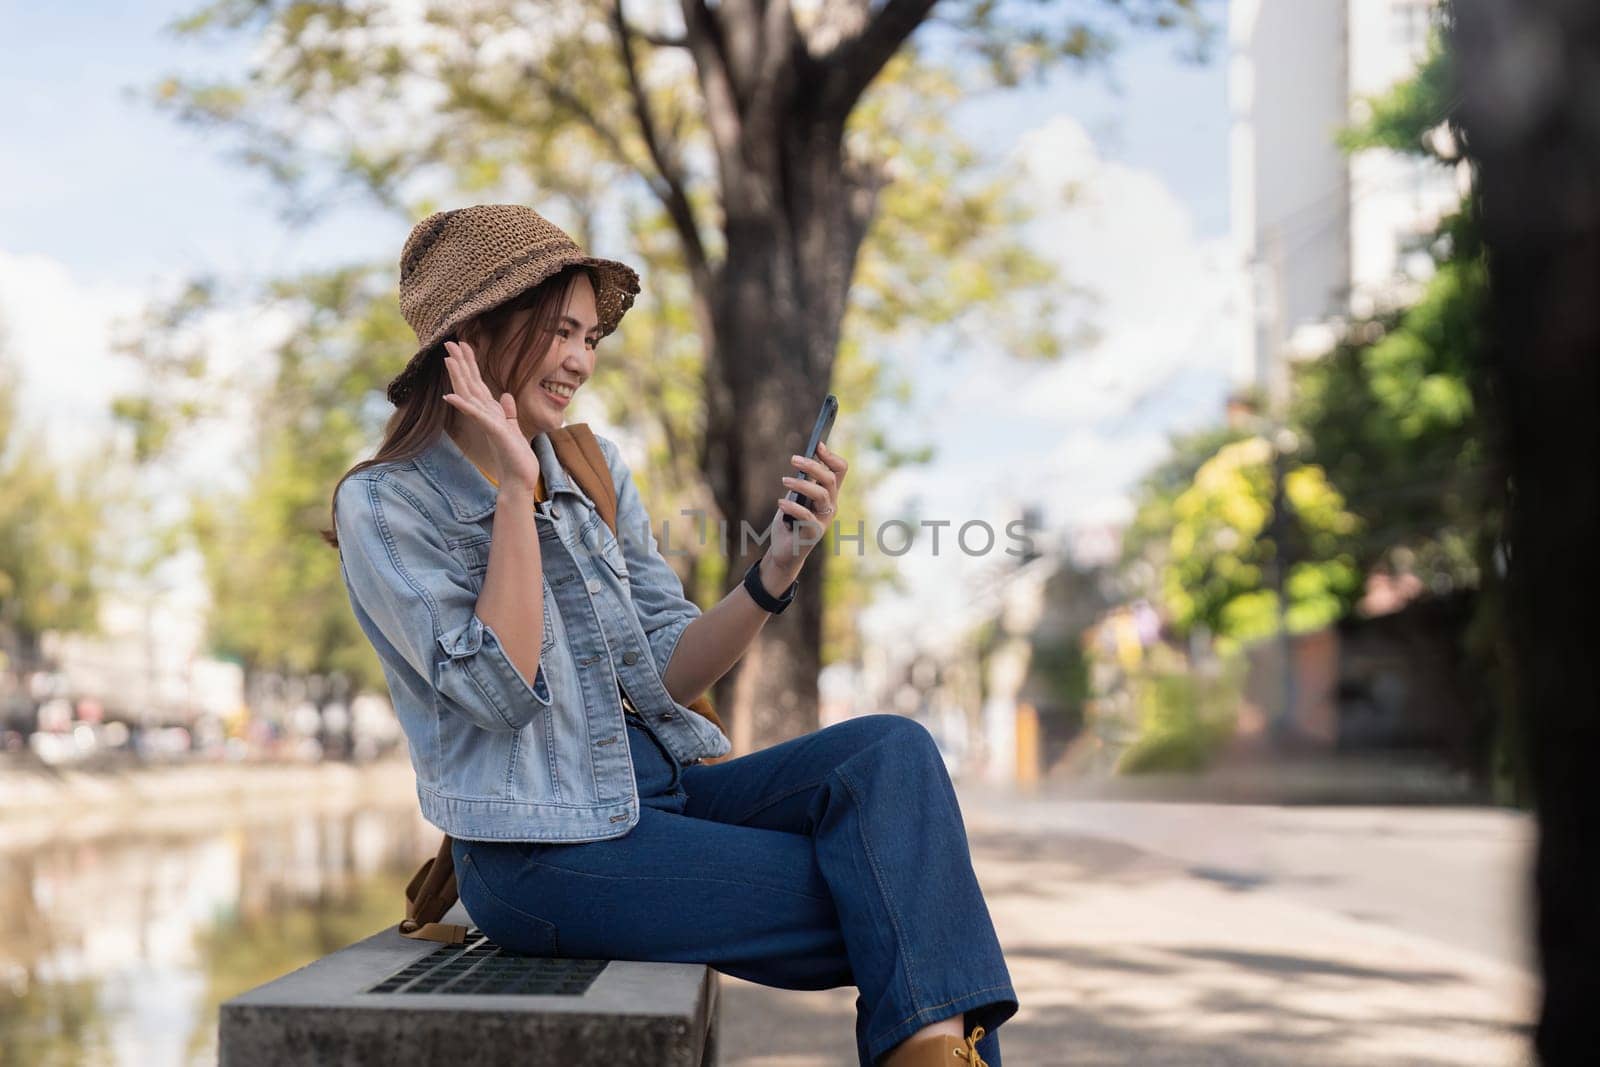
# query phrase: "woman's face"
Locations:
[[564, 367]]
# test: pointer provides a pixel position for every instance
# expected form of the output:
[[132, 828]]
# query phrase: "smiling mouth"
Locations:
[[565, 392]]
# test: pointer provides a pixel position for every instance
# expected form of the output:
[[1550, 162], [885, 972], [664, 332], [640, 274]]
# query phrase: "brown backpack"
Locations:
[[432, 890]]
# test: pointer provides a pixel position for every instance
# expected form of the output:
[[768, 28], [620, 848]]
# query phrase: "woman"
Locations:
[[838, 858]]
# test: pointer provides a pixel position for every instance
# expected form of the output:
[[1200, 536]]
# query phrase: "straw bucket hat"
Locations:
[[460, 263]]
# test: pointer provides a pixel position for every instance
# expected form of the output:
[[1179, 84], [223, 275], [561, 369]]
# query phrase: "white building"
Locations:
[[1322, 235], [147, 662]]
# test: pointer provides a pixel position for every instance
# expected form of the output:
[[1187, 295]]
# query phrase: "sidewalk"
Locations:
[[1124, 956], [1323, 778]]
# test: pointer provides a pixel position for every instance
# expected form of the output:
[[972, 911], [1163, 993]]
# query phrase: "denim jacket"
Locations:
[[498, 758]]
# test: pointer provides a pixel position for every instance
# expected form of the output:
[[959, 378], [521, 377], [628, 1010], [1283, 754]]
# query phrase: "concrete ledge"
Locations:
[[633, 1014]]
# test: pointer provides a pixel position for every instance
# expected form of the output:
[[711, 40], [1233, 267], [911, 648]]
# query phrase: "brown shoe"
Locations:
[[938, 1050]]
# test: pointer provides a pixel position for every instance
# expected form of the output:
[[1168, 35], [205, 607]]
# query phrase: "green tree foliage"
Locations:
[[52, 544], [1402, 416], [556, 118], [279, 603], [1396, 412], [312, 408], [1393, 416], [1146, 540], [1220, 549], [1408, 117], [1184, 716]]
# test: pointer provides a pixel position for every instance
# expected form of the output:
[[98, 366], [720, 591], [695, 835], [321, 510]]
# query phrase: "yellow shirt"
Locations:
[[538, 490]]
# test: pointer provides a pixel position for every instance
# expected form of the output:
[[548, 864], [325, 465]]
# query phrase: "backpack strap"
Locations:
[[580, 456], [430, 893]]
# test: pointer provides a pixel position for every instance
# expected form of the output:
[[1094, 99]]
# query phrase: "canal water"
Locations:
[[118, 949]]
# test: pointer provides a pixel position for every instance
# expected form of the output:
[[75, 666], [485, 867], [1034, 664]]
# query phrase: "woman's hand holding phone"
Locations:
[[787, 551], [515, 463]]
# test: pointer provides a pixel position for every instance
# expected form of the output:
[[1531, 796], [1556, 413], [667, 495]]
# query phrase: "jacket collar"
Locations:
[[472, 496]]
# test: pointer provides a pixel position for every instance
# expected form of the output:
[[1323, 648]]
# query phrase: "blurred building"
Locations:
[[1322, 235], [988, 683], [147, 665]]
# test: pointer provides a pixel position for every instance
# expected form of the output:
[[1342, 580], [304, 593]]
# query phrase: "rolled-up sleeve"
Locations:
[[419, 597], [664, 612]]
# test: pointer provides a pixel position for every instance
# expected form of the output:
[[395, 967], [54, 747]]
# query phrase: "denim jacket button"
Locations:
[[594, 587], [630, 657]]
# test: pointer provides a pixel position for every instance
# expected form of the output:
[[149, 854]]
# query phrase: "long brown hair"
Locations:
[[507, 363]]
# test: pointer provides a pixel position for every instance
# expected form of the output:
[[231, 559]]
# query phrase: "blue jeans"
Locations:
[[838, 858]]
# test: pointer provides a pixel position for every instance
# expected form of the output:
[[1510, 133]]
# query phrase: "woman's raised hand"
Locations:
[[514, 461]]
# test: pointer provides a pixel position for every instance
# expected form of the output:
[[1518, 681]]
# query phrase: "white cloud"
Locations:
[[1074, 436], [60, 331], [57, 333], [1163, 295]]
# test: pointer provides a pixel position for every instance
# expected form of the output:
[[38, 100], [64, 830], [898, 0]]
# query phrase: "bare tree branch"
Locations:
[[722, 105], [663, 40], [781, 49], [671, 189], [569, 100], [740, 22], [852, 64]]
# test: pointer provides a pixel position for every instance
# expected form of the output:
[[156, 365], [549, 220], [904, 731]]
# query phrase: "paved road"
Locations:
[[1456, 874], [1150, 933]]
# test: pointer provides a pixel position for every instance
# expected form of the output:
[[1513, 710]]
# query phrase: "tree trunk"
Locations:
[[1531, 75], [776, 312]]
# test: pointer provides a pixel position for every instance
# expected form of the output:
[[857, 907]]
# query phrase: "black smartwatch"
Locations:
[[758, 592]]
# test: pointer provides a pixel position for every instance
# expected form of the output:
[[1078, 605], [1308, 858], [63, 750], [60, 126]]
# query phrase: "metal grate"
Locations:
[[482, 968]]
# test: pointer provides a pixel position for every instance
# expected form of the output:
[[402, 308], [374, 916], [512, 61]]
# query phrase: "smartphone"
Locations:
[[819, 433]]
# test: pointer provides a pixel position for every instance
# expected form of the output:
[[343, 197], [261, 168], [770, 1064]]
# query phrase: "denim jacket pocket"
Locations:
[[475, 555], [611, 553], [597, 540]]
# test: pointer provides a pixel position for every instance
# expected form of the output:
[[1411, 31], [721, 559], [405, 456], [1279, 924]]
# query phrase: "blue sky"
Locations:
[[1149, 109], [119, 191]]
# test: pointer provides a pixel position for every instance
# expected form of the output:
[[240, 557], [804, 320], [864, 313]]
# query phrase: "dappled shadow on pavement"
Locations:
[[1307, 965], [1121, 957]]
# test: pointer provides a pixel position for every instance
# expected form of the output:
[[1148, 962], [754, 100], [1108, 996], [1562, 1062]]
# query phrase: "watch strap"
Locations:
[[758, 592]]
